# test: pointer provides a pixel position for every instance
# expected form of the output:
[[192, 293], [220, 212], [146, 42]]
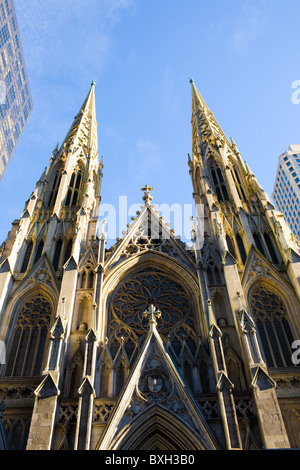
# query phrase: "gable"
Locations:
[[155, 386], [41, 275], [149, 233], [258, 266]]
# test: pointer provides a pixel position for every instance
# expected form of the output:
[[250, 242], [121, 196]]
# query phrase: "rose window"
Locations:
[[158, 289]]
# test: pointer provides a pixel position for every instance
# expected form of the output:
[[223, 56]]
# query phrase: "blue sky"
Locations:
[[243, 56]]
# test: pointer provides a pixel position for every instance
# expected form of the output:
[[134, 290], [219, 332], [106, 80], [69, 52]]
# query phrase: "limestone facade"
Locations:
[[148, 345]]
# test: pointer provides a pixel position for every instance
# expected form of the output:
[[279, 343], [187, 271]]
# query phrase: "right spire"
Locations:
[[205, 127]]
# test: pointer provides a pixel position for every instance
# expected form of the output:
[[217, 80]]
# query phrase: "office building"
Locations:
[[15, 96], [286, 192]]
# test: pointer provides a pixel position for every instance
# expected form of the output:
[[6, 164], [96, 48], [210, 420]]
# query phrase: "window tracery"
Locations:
[[31, 331], [86, 278], [151, 287], [273, 326], [74, 187], [128, 325], [219, 182]]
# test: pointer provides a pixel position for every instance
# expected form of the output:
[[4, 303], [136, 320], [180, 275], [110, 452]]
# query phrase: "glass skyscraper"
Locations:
[[286, 192], [15, 96]]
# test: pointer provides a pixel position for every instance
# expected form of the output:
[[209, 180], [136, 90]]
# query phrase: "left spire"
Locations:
[[83, 131]]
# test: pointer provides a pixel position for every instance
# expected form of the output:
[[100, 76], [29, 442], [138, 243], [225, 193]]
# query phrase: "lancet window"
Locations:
[[238, 183], [86, 278], [39, 250], [273, 326], [31, 330], [27, 256], [219, 183], [73, 189], [265, 244], [116, 360], [241, 248], [62, 253], [214, 275], [54, 188], [56, 256]]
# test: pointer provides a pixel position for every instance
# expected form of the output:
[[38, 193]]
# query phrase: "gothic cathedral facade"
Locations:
[[148, 345]]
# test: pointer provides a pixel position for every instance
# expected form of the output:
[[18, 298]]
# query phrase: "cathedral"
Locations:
[[148, 345]]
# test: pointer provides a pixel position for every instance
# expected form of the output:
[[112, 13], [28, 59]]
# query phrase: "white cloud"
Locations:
[[249, 25], [70, 36]]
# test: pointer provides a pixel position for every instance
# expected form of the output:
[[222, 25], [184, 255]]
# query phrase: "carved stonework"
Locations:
[[151, 287], [259, 267], [155, 385]]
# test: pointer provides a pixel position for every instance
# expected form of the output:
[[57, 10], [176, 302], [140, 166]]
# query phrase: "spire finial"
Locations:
[[93, 83], [191, 80], [147, 196]]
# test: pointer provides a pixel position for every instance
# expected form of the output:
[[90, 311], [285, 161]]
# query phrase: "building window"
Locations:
[[27, 257], [87, 278], [230, 246], [271, 248], [258, 243], [4, 35], [68, 251], [56, 256], [238, 184], [219, 184], [273, 327], [39, 251], [241, 248], [73, 190], [31, 331], [54, 189]]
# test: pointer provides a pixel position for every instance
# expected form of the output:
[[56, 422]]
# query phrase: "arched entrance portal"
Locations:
[[157, 429]]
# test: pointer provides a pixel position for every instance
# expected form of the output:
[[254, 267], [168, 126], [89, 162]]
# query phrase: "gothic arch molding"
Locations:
[[164, 265], [154, 428], [273, 314], [25, 294], [29, 322], [283, 290]]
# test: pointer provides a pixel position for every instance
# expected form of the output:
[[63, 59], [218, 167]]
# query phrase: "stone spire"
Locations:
[[83, 131], [204, 122]]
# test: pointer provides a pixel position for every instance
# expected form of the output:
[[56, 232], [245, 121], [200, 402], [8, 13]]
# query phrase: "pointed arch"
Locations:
[[241, 247], [56, 255], [272, 319], [27, 349], [39, 250], [238, 180], [54, 185], [68, 250], [27, 256], [218, 180], [74, 187], [157, 428]]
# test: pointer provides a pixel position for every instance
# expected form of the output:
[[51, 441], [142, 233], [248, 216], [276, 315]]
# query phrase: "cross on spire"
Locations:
[[147, 196], [152, 314]]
